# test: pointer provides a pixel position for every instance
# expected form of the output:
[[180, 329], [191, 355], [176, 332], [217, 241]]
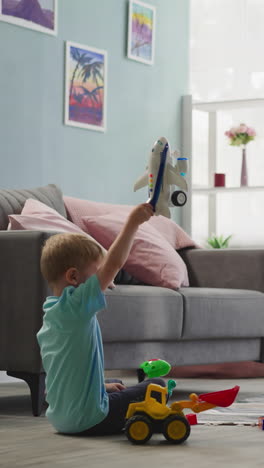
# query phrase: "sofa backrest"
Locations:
[[12, 201]]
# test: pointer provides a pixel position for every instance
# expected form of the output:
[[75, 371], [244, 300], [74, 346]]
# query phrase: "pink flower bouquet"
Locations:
[[240, 135]]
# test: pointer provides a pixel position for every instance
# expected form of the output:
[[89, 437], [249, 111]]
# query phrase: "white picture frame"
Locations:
[[141, 32], [15, 12], [85, 86]]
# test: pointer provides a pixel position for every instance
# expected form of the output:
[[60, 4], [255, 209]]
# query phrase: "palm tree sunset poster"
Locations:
[[40, 15], [141, 32], [85, 86]]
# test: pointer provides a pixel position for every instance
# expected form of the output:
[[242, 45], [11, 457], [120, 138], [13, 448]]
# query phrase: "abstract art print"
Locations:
[[40, 15], [85, 86], [141, 32]]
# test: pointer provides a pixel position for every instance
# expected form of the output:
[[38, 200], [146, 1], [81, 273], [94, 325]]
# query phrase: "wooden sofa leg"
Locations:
[[36, 383]]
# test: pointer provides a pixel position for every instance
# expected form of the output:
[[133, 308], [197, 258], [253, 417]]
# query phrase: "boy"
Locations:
[[70, 338]]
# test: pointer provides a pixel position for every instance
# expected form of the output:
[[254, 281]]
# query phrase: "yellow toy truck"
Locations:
[[153, 415]]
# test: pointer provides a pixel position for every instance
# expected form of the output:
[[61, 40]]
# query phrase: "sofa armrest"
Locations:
[[225, 268], [22, 293]]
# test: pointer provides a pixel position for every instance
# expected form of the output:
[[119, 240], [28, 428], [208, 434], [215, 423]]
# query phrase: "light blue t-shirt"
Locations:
[[72, 354]]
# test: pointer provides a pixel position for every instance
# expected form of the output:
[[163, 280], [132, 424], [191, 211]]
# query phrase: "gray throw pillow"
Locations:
[[12, 201]]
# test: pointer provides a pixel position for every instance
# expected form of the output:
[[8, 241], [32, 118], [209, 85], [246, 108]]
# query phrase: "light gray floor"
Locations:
[[27, 441]]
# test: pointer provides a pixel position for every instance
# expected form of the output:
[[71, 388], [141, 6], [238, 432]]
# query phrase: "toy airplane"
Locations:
[[161, 175]]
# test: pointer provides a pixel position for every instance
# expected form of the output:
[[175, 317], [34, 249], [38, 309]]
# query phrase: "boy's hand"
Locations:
[[140, 214], [114, 387]]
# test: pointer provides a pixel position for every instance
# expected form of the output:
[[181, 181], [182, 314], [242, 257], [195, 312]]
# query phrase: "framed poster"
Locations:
[[40, 15], [141, 32], [85, 86]]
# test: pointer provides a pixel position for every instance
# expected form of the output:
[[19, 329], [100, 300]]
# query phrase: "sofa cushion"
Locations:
[[222, 313], [141, 313], [37, 216], [12, 201], [173, 233], [151, 260]]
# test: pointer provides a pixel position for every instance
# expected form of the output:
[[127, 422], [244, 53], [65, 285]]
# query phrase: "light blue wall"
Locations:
[[143, 101]]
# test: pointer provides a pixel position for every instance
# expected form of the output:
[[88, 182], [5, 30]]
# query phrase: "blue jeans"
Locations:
[[118, 405]]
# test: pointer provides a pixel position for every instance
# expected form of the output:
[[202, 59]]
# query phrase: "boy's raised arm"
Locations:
[[119, 250]]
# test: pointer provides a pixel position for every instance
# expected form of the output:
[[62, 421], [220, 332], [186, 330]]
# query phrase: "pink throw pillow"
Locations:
[[152, 259], [174, 234], [37, 216], [77, 208]]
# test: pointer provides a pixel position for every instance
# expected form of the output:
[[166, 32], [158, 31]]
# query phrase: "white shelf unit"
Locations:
[[188, 106], [205, 190]]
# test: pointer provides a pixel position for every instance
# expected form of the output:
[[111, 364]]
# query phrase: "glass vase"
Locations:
[[244, 175]]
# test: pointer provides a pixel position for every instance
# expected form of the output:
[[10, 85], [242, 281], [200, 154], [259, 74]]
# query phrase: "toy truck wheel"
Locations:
[[176, 429], [138, 429], [179, 198]]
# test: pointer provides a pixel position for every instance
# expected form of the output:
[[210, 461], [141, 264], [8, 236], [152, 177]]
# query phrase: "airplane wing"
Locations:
[[141, 182], [174, 178]]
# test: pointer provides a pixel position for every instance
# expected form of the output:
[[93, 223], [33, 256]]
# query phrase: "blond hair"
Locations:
[[63, 251]]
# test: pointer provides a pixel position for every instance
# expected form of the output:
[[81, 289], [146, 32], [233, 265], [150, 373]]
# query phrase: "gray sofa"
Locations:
[[219, 318]]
